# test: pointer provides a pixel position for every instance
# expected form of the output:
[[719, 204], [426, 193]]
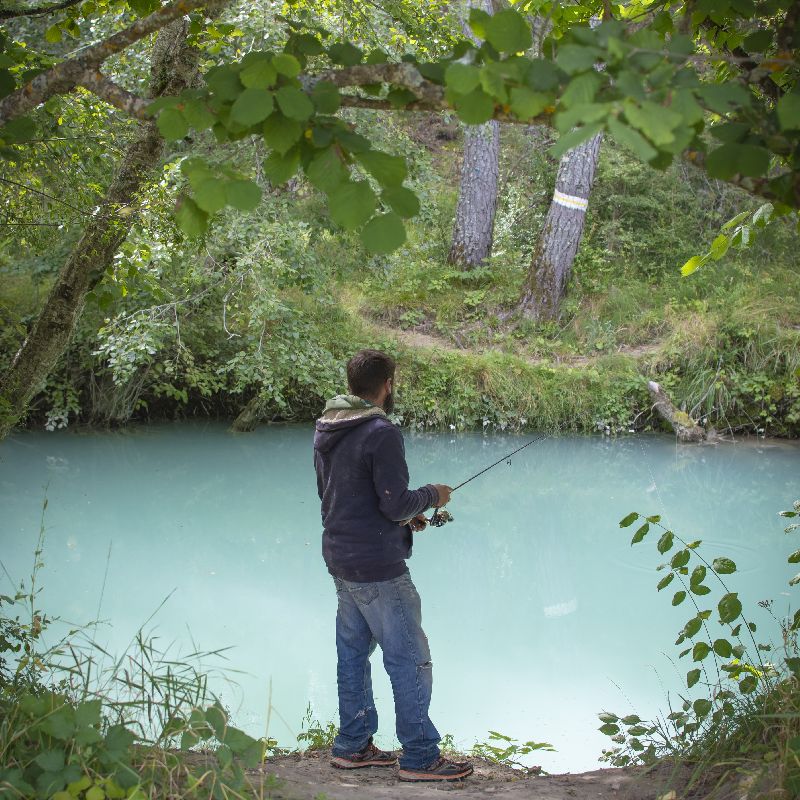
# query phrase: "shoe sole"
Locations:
[[423, 777], [344, 764]]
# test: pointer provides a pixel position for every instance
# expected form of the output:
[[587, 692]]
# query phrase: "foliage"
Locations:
[[314, 735], [502, 749], [666, 81], [749, 706]]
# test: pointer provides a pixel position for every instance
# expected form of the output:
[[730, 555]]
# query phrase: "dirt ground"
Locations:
[[309, 776]]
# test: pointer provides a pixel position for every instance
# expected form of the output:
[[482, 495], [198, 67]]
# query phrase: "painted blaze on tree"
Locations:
[[656, 95]]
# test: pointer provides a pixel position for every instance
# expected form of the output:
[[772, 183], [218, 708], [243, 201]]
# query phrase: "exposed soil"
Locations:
[[309, 776]]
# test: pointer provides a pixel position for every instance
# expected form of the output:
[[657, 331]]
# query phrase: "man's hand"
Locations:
[[418, 523], [444, 494]]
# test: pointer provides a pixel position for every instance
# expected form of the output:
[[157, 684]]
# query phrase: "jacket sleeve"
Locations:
[[390, 477]]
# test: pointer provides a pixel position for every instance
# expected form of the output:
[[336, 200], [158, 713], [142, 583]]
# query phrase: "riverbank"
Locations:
[[308, 776]]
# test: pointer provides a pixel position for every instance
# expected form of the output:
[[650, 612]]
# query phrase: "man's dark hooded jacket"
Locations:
[[362, 479]]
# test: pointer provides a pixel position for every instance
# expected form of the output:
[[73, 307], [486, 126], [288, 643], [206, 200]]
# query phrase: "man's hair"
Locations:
[[367, 370]]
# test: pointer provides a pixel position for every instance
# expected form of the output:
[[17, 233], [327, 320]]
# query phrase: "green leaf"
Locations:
[[172, 124], [198, 115], [211, 195], [632, 139], [493, 82], [607, 716], [794, 558], [665, 581], [793, 664], [475, 108], [541, 75], [699, 589], [279, 167], [748, 685], [305, 43], [345, 53], [641, 532], [224, 82], [88, 713], [724, 566], [527, 104], [788, 110], [242, 194], [53, 34], [665, 542], [401, 200], [387, 170], [508, 31], [722, 647], [729, 607], [252, 106], [60, 724], [693, 264], [692, 627], [573, 58], [581, 89], [462, 78], [281, 133], [352, 204], [50, 760], [326, 97], [678, 598], [680, 559], [294, 103], [191, 219], [574, 138], [698, 574], [609, 729], [742, 159], [327, 171], [657, 122], [286, 64], [724, 98], [692, 677], [626, 522], [700, 651], [383, 233], [260, 73], [631, 719], [701, 707]]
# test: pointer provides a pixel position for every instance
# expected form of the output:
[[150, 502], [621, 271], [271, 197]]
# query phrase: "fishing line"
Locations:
[[440, 516]]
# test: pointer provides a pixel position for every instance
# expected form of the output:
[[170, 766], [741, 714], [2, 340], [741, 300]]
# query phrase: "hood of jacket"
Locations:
[[342, 413]]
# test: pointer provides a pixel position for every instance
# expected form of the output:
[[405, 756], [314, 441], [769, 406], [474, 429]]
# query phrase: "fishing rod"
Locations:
[[441, 517]]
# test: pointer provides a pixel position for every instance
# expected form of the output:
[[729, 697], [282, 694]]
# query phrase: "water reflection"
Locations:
[[539, 612]]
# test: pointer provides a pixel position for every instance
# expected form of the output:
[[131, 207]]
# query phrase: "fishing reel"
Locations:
[[440, 517]]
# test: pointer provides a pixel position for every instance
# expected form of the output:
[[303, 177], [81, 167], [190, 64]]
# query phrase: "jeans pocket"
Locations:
[[363, 595]]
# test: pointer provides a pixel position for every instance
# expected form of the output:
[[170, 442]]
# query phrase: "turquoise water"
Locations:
[[538, 611]]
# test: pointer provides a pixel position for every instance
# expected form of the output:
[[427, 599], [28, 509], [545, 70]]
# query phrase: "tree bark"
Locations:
[[473, 229], [174, 68], [551, 265]]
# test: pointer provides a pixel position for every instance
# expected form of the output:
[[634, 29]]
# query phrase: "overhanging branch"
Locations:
[[65, 76], [11, 13]]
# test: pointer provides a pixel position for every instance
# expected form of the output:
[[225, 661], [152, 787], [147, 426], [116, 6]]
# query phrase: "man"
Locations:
[[368, 515]]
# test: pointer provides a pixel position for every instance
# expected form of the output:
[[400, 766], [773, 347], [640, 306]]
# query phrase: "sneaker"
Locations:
[[441, 770], [370, 756]]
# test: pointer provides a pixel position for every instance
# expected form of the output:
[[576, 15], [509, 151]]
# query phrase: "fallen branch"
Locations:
[[686, 429]]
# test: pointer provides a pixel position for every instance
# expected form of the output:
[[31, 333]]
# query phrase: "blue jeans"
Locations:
[[385, 613]]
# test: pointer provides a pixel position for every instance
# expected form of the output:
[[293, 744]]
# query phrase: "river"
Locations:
[[539, 612]]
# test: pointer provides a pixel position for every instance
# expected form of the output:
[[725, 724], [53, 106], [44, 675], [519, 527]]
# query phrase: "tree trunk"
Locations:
[[477, 195], [555, 251], [174, 68], [473, 229]]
